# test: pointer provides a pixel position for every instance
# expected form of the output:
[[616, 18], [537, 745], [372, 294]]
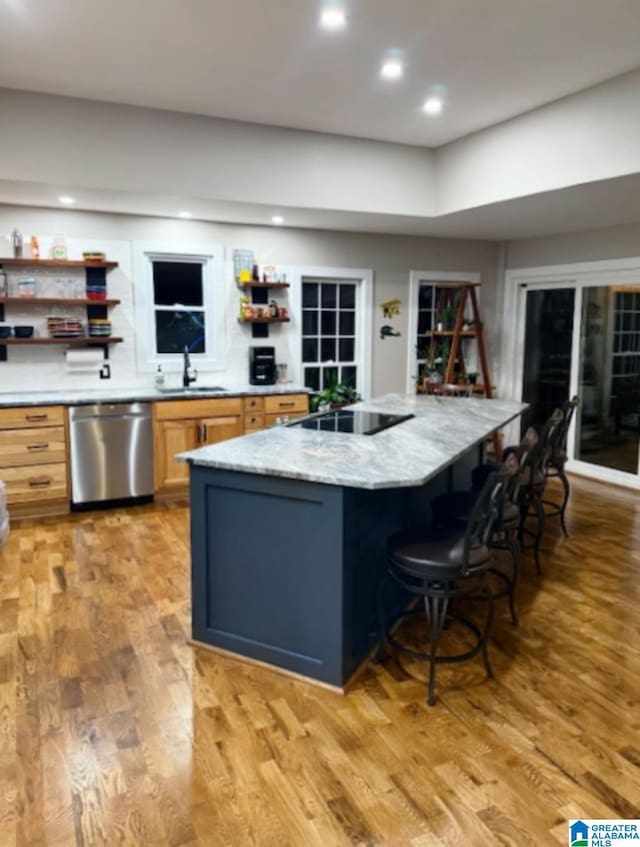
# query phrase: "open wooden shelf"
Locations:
[[55, 301], [449, 333], [99, 342], [264, 285], [57, 263], [263, 320]]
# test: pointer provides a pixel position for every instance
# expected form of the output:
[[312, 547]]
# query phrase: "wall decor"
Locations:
[[390, 308], [387, 331], [243, 260]]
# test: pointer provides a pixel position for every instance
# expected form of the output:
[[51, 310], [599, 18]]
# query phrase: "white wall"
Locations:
[[616, 242], [81, 143], [390, 257], [587, 137]]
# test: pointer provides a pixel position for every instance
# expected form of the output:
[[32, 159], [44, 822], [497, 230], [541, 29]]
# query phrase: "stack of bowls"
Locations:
[[99, 328], [96, 292]]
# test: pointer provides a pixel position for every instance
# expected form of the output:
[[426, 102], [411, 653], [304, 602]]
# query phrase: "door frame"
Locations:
[[578, 275], [363, 277], [415, 278]]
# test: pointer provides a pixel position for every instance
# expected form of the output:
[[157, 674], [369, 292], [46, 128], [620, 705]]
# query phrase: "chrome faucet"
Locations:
[[187, 377]]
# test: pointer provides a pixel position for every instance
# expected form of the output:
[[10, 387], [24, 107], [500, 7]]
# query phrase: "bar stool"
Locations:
[[440, 565], [533, 484], [554, 466], [453, 509]]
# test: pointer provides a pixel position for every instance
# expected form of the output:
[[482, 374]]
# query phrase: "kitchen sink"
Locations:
[[198, 389]]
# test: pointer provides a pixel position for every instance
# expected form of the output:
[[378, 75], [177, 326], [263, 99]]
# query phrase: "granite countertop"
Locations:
[[83, 396], [408, 454]]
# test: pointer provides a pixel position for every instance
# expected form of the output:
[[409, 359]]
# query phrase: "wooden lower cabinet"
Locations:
[[170, 438], [263, 411], [34, 460], [192, 423]]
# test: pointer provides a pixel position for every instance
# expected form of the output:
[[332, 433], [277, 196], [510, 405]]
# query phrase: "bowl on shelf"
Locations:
[[23, 331], [5, 331]]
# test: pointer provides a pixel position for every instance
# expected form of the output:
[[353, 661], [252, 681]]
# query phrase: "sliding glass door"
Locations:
[[609, 378], [584, 338], [547, 352]]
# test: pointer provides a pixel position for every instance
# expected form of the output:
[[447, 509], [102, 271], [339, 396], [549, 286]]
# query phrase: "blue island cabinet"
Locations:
[[286, 571]]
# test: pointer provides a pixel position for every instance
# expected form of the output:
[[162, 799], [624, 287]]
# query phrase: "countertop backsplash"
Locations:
[[39, 368]]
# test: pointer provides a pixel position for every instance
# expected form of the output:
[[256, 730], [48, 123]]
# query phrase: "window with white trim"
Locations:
[[178, 304], [330, 335], [431, 294], [180, 315]]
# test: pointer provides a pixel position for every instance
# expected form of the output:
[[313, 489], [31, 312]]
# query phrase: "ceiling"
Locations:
[[267, 61]]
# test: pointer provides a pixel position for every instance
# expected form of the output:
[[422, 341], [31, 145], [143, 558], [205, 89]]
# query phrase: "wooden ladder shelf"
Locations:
[[464, 292]]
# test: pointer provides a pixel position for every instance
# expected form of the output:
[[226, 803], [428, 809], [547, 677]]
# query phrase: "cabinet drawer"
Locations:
[[30, 485], [38, 446], [29, 416], [286, 403], [253, 422], [253, 404], [270, 420], [176, 410]]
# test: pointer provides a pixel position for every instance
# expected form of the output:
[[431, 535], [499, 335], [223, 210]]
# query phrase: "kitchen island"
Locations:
[[289, 527]]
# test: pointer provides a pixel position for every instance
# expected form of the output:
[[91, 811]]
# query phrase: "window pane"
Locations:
[[347, 349], [309, 322], [347, 296], [176, 330], [349, 375], [328, 374], [177, 282], [309, 350], [328, 349], [309, 294], [425, 297], [329, 295], [347, 323], [312, 378], [328, 323], [424, 322]]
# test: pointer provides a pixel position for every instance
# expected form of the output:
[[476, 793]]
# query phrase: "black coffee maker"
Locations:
[[262, 365]]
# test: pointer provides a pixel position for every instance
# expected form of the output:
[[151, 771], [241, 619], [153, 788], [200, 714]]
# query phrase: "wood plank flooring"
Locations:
[[114, 731]]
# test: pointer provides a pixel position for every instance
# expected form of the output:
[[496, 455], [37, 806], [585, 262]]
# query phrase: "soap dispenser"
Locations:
[[159, 380]]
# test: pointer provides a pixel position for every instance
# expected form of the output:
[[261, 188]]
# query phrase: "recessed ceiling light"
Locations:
[[333, 17], [66, 200], [277, 219], [184, 214], [392, 69], [433, 106]]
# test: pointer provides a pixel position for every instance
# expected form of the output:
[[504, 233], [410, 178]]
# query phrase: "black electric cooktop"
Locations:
[[356, 422]]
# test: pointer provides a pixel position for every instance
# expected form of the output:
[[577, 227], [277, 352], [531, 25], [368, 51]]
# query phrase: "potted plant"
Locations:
[[448, 314], [334, 395], [472, 376]]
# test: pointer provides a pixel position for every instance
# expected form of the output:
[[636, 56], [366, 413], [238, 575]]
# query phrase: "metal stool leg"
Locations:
[[514, 550], [539, 511], [487, 629], [567, 491], [436, 612]]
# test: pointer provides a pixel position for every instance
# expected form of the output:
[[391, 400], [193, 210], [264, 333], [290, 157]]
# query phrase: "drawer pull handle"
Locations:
[[37, 448], [41, 417], [286, 405], [43, 482], [204, 433]]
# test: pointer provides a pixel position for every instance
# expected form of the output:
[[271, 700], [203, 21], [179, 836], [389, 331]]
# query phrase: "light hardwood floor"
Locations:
[[113, 731]]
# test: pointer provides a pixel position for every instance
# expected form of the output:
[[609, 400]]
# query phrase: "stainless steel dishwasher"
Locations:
[[111, 452]]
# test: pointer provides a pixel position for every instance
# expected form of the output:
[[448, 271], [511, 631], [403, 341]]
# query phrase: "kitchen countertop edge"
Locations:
[[87, 397]]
